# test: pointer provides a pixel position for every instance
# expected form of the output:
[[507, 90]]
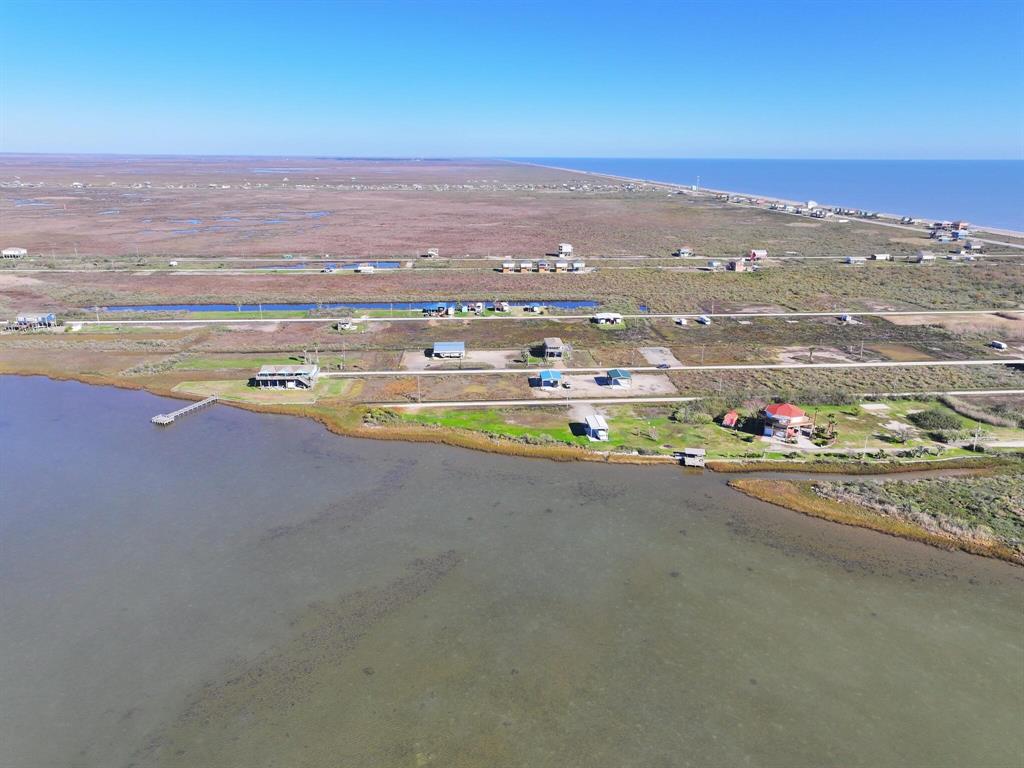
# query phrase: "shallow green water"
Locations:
[[245, 590]]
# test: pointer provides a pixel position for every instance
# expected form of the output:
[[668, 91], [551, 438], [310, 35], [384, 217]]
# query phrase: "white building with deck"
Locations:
[[286, 376]]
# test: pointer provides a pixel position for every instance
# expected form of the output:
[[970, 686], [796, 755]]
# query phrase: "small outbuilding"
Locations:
[[526, 266], [553, 347], [737, 265], [881, 257], [550, 377], [286, 376], [620, 377], [596, 427], [757, 253], [579, 266], [508, 266], [561, 266], [449, 349], [693, 457]]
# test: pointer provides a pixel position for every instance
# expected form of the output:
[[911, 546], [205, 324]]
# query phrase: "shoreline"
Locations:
[[797, 496], [336, 423], [789, 493], [890, 218]]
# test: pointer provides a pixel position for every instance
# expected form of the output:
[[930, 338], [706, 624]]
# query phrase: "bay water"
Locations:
[[241, 589]]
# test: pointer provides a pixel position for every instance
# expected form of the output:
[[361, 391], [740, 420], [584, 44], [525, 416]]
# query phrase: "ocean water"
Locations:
[[240, 590], [984, 192]]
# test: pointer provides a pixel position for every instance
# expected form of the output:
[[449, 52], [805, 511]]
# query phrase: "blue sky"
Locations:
[[625, 79]]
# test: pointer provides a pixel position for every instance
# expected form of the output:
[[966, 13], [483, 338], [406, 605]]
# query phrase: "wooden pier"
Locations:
[[168, 418]]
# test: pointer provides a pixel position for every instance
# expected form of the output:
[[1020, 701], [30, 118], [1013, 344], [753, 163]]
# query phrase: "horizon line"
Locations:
[[435, 157]]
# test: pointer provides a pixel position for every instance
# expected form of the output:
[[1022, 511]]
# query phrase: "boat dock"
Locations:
[[168, 418]]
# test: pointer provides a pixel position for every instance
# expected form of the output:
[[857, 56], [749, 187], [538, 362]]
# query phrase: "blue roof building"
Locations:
[[619, 377], [550, 377]]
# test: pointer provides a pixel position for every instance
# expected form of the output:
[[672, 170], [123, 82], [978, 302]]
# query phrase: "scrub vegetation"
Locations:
[[983, 514]]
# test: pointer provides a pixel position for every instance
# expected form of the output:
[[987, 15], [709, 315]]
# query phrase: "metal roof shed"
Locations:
[[597, 427], [620, 377], [550, 377], [449, 349]]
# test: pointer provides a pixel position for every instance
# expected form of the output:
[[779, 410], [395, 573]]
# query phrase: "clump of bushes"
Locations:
[[936, 420], [378, 416], [692, 413]]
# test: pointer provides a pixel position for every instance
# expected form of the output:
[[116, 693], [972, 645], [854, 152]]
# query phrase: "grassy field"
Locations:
[[240, 391], [822, 286], [653, 429]]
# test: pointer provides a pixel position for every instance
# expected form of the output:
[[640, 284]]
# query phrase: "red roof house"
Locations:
[[780, 411], [730, 419], [785, 418]]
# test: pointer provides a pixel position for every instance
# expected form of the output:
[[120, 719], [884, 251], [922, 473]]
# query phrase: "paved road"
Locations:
[[497, 318], [620, 400], [655, 369]]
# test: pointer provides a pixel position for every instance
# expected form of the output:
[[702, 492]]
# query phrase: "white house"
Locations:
[[14, 253], [286, 376], [565, 249], [607, 318]]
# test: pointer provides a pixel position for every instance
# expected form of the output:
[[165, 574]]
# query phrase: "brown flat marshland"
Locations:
[[817, 286], [110, 206]]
